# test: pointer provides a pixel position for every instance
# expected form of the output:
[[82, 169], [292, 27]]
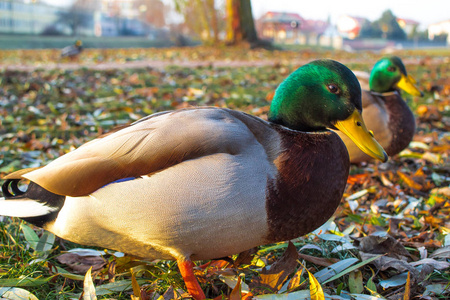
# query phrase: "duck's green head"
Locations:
[[324, 94], [389, 74]]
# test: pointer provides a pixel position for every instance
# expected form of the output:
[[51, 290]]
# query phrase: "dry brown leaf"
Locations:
[[245, 257], [383, 245], [383, 263], [320, 261], [279, 271], [437, 264], [169, 294], [81, 264], [236, 292]]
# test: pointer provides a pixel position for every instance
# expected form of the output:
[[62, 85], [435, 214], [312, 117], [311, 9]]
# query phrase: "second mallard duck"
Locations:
[[72, 51], [384, 111]]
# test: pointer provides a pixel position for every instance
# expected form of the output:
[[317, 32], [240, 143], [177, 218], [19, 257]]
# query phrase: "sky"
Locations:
[[425, 12]]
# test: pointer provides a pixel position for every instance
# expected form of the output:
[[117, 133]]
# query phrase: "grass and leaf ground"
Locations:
[[390, 237]]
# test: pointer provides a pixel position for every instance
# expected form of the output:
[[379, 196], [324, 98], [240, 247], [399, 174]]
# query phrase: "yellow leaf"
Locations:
[[118, 91], [136, 287], [409, 181], [315, 288], [272, 280], [296, 280], [445, 230], [88, 287]]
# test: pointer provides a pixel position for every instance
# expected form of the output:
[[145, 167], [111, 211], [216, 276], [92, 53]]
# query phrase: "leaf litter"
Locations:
[[390, 235]]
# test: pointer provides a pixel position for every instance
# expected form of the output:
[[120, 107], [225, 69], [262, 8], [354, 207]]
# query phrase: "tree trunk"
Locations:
[[234, 31], [247, 23], [240, 24], [214, 24]]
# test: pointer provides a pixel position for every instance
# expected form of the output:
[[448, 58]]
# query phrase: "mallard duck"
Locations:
[[72, 51], [205, 183], [384, 110]]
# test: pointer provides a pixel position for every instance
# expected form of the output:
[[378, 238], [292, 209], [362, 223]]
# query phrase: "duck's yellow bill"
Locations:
[[356, 130], [406, 83]]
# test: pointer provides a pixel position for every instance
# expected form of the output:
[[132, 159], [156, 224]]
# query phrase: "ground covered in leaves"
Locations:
[[390, 237]]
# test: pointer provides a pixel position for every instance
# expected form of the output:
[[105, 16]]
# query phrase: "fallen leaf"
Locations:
[[409, 181], [14, 293], [394, 281], [443, 252], [320, 261], [436, 289], [88, 287], [315, 288], [384, 262], [136, 287], [383, 245], [236, 293], [438, 265], [296, 280], [355, 282], [407, 294], [81, 264], [279, 271]]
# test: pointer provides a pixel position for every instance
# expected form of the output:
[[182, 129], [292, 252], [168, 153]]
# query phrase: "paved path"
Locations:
[[188, 64], [148, 64]]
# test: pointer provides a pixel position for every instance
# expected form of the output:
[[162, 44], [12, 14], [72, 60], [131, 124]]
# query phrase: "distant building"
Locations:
[[438, 29], [95, 18], [17, 17], [312, 30], [350, 26], [290, 28], [408, 26], [331, 38], [280, 27]]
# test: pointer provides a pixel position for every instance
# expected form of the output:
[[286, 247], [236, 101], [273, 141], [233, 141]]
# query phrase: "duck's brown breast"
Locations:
[[401, 124], [313, 170]]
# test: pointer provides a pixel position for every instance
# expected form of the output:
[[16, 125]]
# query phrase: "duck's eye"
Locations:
[[333, 89], [392, 69]]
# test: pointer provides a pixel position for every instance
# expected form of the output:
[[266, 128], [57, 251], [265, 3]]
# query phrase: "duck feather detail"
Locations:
[[150, 146]]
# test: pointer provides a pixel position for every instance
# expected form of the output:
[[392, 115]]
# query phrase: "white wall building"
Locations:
[[438, 29]]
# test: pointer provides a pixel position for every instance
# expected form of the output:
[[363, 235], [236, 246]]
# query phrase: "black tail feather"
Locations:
[[11, 189], [11, 192]]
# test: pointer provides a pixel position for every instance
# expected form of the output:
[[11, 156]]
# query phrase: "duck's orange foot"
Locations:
[[192, 285]]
